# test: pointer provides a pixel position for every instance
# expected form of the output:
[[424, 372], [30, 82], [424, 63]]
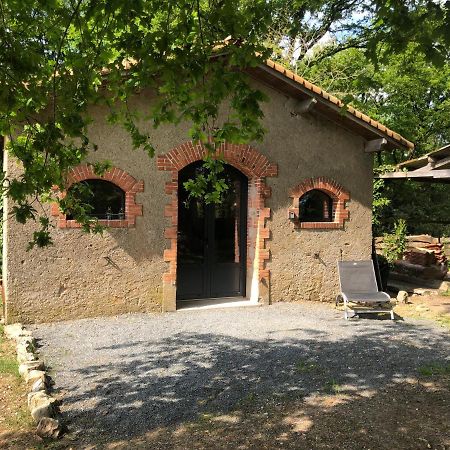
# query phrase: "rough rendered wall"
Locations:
[[121, 271], [91, 275], [303, 262]]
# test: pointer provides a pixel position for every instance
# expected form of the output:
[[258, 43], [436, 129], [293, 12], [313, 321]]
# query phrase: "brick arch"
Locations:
[[243, 157], [255, 166], [114, 175], [338, 194]]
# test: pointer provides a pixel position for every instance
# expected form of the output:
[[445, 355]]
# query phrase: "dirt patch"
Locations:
[[16, 424], [429, 307], [408, 415]]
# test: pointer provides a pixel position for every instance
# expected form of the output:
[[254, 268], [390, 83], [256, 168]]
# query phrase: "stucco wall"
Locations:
[[303, 262], [121, 271]]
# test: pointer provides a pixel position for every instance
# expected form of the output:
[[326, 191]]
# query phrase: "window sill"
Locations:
[[319, 225], [114, 223]]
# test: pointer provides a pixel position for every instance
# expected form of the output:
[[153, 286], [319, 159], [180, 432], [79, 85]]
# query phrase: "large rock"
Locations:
[[24, 355], [444, 287], [49, 428], [26, 344], [41, 405], [34, 375], [27, 341], [38, 385], [402, 297], [15, 330], [435, 272], [27, 366]]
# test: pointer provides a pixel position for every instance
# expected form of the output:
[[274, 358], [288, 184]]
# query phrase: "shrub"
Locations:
[[395, 243]]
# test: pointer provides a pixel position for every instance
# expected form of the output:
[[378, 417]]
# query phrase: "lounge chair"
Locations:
[[359, 285]]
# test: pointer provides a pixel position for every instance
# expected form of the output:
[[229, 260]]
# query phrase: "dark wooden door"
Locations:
[[212, 239]]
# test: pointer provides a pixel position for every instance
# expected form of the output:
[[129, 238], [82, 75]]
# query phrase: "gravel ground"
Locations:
[[121, 377]]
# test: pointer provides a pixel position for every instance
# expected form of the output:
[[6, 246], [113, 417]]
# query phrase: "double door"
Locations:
[[212, 239]]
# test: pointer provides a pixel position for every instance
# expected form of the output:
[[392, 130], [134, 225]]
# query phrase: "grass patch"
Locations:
[[332, 387], [435, 369], [444, 320], [21, 419], [306, 367], [9, 366]]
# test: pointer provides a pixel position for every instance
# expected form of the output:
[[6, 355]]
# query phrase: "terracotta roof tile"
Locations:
[[334, 100]]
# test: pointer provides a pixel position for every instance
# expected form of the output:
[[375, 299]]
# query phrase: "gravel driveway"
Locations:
[[122, 377]]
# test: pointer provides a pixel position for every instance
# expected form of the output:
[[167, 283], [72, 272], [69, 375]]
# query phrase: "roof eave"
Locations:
[[329, 106]]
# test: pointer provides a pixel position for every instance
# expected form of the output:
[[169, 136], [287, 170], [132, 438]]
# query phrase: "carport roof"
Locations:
[[432, 167]]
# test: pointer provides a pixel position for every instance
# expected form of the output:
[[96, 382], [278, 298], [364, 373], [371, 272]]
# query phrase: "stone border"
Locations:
[[42, 406]]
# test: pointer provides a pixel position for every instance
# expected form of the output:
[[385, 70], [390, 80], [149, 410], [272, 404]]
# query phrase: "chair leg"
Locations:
[[392, 315], [345, 310]]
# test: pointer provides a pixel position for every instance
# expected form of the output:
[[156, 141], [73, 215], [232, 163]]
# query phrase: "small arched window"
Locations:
[[315, 206], [105, 200]]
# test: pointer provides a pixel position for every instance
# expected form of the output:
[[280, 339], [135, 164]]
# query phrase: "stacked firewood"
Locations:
[[424, 257], [424, 250]]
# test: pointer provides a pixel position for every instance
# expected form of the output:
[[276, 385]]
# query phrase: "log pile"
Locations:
[[424, 250], [425, 257], [446, 242]]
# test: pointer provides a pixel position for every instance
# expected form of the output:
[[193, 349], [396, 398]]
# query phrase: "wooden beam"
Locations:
[[376, 145], [332, 107], [393, 175], [429, 174], [296, 107], [305, 106], [441, 173], [442, 163]]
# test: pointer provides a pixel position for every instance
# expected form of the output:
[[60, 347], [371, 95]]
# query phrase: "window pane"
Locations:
[[106, 200], [316, 206], [227, 224]]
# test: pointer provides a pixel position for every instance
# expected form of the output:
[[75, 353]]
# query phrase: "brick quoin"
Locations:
[[338, 195], [255, 166], [116, 176]]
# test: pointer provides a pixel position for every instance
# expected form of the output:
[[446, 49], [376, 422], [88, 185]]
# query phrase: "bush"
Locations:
[[395, 243]]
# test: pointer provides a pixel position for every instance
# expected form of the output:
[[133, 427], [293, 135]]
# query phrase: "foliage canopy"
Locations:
[[58, 57]]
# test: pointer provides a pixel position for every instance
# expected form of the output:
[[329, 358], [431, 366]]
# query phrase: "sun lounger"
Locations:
[[359, 287]]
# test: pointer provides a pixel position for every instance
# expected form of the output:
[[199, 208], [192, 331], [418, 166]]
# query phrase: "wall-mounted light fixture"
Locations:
[[292, 214]]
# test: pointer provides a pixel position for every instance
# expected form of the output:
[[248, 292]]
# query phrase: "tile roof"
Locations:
[[395, 139]]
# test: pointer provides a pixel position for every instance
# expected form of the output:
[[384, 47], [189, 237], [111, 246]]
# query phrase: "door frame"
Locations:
[[208, 287], [256, 167]]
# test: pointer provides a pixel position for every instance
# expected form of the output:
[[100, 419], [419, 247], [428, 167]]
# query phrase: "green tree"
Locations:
[[59, 56], [406, 92]]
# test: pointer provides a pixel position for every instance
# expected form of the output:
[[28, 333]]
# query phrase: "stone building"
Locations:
[[298, 201]]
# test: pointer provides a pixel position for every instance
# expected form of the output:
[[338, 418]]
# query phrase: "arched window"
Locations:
[[315, 206], [104, 199]]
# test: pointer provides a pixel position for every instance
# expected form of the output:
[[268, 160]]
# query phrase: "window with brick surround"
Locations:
[[103, 199], [315, 206], [114, 201], [319, 203]]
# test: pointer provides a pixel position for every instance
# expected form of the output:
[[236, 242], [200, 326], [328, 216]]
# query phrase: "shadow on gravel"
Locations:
[[189, 377]]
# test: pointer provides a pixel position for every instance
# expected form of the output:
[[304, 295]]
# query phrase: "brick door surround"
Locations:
[[256, 167]]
